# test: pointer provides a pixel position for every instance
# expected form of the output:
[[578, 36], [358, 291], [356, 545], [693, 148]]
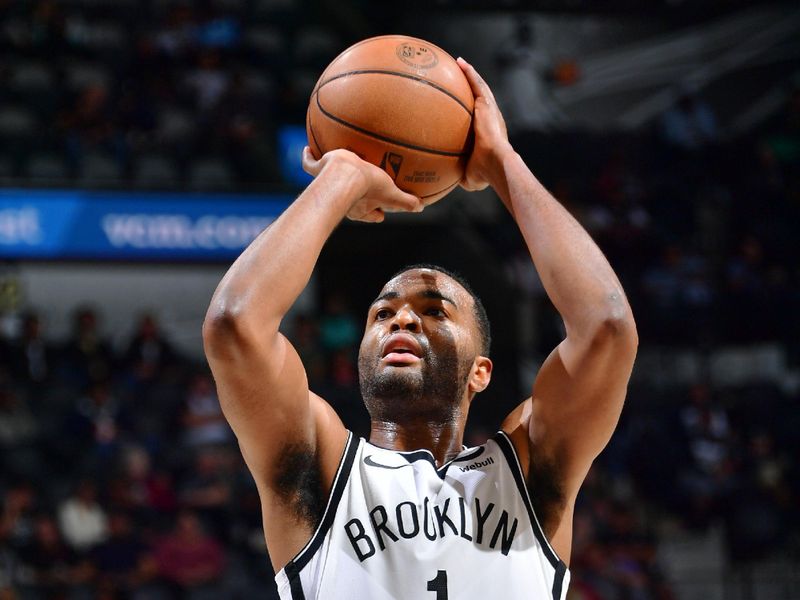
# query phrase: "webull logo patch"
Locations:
[[478, 465]]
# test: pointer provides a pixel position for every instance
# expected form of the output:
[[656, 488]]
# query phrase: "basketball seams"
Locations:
[[344, 123], [427, 197], [384, 138], [417, 78], [444, 191], [319, 151]]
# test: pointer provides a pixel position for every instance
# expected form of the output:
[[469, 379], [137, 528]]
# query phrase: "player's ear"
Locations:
[[480, 375]]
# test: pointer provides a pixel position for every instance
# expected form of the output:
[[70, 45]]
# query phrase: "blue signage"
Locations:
[[79, 224], [291, 141]]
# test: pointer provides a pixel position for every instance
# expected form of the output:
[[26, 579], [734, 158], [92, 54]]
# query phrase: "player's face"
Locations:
[[418, 347]]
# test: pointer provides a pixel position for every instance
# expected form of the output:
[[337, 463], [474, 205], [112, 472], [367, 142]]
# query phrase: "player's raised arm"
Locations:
[[290, 438], [580, 389]]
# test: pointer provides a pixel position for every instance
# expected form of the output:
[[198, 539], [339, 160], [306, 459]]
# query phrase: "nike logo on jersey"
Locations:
[[368, 461]]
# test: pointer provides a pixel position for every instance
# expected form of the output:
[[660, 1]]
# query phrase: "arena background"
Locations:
[[144, 143]]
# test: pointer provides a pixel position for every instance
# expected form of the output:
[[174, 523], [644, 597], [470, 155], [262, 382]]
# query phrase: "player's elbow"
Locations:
[[226, 329], [611, 321], [617, 325], [220, 327]]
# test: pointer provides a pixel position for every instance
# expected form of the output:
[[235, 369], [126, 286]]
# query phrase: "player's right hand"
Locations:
[[375, 192], [491, 136]]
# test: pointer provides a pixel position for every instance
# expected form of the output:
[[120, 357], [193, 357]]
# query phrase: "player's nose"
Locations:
[[405, 318]]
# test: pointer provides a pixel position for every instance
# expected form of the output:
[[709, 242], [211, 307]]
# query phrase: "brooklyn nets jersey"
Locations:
[[398, 528]]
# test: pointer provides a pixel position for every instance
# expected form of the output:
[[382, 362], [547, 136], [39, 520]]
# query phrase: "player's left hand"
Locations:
[[375, 193], [491, 136]]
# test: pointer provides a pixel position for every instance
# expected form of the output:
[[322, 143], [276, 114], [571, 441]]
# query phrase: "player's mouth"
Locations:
[[401, 349]]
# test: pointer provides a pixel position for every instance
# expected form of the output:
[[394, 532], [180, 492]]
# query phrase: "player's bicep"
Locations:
[[264, 394]]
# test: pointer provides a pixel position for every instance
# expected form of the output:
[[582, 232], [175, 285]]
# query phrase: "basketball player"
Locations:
[[411, 513]]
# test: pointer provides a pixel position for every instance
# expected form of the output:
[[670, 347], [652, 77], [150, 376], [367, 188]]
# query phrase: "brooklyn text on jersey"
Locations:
[[397, 527]]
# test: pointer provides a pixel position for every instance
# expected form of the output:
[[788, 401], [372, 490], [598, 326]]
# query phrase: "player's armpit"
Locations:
[[291, 439], [575, 406]]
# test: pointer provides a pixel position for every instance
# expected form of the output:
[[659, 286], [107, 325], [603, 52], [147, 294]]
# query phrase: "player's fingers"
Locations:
[[479, 87], [374, 216], [403, 202], [310, 164], [473, 186]]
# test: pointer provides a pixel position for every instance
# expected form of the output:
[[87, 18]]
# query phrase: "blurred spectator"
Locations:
[[177, 35], [135, 114], [618, 219], [124, 561], [97, 424], [88, 356], [526, 72], [305, 339], [47, 566], [780, 147], [47, 29], [242, 126], [208, 82], [343, 372], [690, 124], [33, 355], [203, 420], [208, 489], [90, 124], [710, 477], [82, 520], [679, 290], [191, 561], [218, 31], [759, 503], [338, 328], [17, 521], [19, 433], [149, 352], [631, 551], [141, 490]]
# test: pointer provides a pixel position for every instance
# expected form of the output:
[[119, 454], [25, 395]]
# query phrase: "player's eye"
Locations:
[[435, 312], [382, 313]]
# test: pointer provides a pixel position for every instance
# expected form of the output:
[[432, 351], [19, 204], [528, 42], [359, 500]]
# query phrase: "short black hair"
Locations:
[[484, 329]]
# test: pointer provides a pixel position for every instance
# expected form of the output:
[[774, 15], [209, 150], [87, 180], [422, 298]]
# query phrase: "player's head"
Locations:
[[425, 348]]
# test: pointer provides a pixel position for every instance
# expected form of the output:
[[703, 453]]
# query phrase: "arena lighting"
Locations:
[[104, 225]]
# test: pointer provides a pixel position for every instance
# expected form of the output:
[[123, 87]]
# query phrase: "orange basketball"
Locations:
[[400, 103]]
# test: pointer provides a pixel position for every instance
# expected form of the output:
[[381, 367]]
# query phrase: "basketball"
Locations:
[[400, 103]]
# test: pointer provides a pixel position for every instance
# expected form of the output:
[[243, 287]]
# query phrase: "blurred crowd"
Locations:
[[120, 479], [154, 93], [702, 229], [119, 475]]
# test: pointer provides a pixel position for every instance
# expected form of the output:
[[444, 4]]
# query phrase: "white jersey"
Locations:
[[398, 528]]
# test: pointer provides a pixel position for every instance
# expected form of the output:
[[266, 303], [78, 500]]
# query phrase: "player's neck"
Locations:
[[444, 440]]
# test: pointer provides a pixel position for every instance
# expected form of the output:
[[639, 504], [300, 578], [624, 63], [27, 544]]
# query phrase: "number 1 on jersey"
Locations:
[[439, 585]]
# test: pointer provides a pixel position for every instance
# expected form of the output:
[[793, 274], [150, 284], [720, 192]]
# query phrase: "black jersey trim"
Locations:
[[295, 585], [337, 489], [412, 456], [516, 470], [558, 580], [474, 454]]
